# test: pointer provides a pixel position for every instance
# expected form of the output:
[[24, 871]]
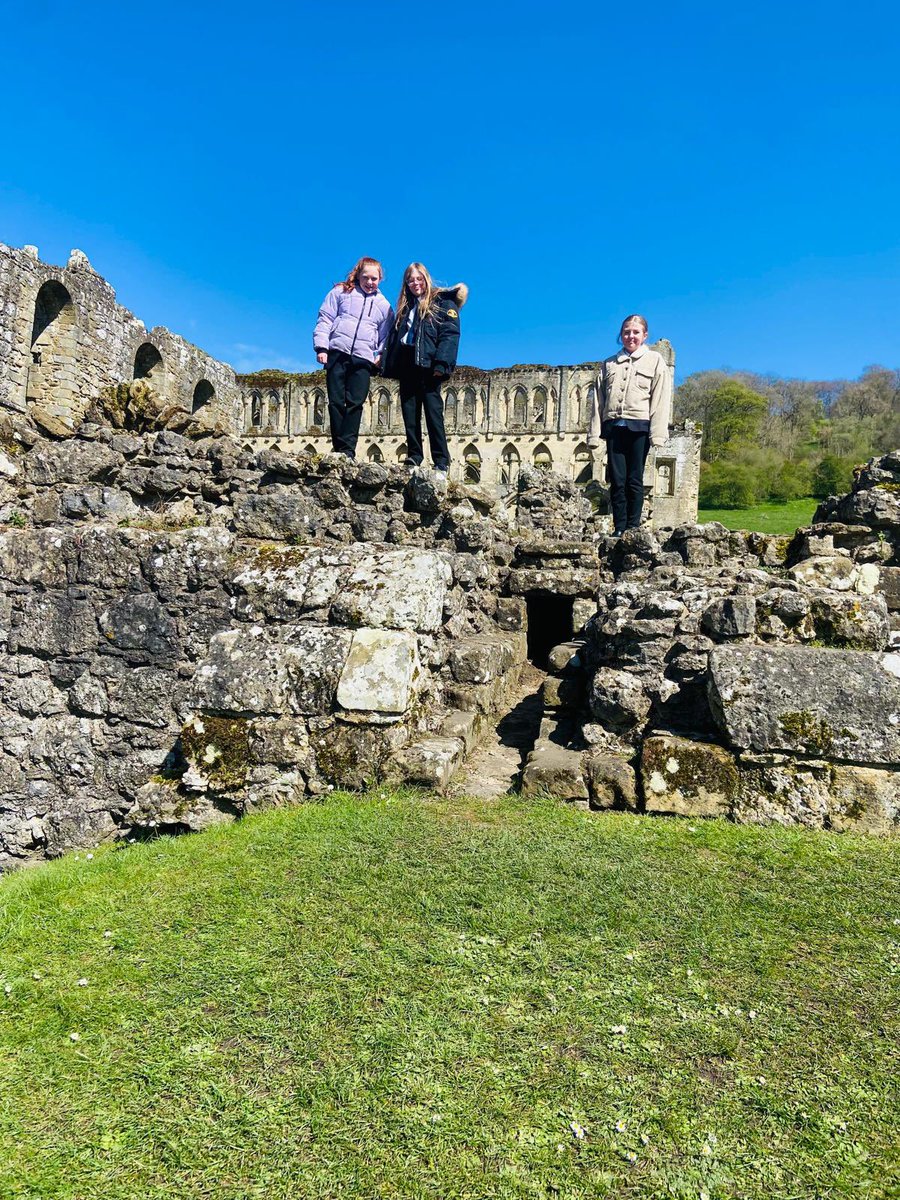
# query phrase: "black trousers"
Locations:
[[626, 454], [420, 391], [347, 380]]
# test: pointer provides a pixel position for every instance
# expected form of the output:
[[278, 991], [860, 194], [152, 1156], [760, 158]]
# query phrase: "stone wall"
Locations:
[[64, 340]]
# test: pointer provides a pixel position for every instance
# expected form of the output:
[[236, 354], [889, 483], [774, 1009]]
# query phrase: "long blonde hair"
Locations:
[[426, 301]]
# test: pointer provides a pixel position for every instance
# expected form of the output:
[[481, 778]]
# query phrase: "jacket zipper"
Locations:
[[358, 323]]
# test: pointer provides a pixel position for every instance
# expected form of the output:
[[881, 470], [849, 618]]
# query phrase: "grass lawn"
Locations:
[[395, 997], [765, 518]]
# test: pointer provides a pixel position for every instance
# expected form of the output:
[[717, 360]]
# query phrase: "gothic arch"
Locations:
[[469, 405], [54, 332], [374, 455], [582, 464], [540, 407], [255, 410], [149, 365], [318, 409], [472, 467], [542, 458], [383, 410], [510, 461], [450, 410], [519, 406]]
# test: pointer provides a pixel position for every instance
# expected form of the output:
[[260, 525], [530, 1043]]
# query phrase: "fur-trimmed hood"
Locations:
[[459, 292]]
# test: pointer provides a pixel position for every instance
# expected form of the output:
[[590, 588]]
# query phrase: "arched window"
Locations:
[[542, 458], [472, 460], [519, 406], [583, 464], [402, 453], [203, 393], [539, 407], [384, 410], [318, 409], [450, 410], [51, 372], [255, 409], [310, 449], [148, 364], [590, 401], [575, 407], [509, 468], [374, 455], [468, 408]]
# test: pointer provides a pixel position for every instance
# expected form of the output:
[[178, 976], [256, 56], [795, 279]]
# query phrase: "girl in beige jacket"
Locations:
[[631, 413]]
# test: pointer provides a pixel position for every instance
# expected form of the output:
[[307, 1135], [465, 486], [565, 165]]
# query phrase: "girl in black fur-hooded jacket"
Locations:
[[421, 354]]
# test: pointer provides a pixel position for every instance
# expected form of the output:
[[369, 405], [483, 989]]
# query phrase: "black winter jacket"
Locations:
[[437, 337]]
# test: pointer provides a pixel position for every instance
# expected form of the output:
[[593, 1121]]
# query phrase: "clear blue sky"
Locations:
[[731, 172]]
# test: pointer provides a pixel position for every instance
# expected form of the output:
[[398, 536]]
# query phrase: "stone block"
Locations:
[[482, 658], [466, 726], [809, 701], [556, 771], [429, 762], [565, 657], [512, 612], [54, 624], [611, 780], [688, 778], [380, 672], [730, 617], [618, 699], [890, 587], [397, 589], [562, 693], [852, 621], [865, 800], [782, 790]]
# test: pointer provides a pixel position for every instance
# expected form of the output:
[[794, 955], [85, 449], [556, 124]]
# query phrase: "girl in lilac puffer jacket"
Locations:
[[349, 338]]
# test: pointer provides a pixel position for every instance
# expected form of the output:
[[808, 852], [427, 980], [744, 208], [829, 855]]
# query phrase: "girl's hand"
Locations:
[[323, 357]]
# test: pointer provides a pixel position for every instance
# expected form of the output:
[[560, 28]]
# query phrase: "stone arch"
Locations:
[[309, 448], [574, 413], [204, 392], [402, 453], [504, 408], [554, 408], [472, 464], [374, 455], [519, 406], [540, 407], [542, 458], [383, 410], [256, 410], [450, 409], [54, 335], [469, 405], [149, 365], [510, 461], [318, 409], [583, 464], [589, 402]]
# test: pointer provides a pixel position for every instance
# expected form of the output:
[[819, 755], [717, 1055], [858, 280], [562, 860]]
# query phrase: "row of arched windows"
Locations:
[[54, 353]]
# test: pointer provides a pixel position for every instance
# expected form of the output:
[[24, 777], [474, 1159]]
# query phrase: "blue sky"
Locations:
[[733, 174]]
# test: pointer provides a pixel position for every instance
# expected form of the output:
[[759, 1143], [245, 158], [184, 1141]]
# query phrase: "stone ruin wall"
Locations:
[[496, 422], [64, 340], [194, 626]]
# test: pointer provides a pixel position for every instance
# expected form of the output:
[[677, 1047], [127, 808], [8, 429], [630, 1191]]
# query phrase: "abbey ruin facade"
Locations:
[[65, 340]]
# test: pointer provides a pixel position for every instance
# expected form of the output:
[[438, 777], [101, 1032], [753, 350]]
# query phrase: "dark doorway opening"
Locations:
[[549, 623]]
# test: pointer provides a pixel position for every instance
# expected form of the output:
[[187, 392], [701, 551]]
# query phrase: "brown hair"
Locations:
[[352, 279], [426, 301], [633, 317]]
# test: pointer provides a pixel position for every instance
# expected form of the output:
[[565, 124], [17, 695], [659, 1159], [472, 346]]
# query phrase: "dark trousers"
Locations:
[[626, 454], [419, 390], [348, 385]]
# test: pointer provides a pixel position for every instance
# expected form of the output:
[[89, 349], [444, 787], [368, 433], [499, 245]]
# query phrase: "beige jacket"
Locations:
[[633, 387]]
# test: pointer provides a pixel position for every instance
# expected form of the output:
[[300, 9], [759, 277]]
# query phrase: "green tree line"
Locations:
[[771, 439]]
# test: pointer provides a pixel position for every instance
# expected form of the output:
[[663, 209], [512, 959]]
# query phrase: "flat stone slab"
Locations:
[[555, 770], [431, 761], [687, 778], [831, 704], [380, 672]]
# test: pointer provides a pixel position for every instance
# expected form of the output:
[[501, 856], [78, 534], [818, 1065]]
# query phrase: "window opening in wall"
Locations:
[[203, 393], [255, 409], [665, 477], [509, 468], [384, 411], [542, 458], [583, 465], [51, 374], [450, 410], [468, 414], [472, 470], [402, 452], [550, 622], [539, 406], [520, 403], [374, 455], [148, 364]]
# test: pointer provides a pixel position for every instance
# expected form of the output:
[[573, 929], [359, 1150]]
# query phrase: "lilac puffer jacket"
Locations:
[[354, 322]]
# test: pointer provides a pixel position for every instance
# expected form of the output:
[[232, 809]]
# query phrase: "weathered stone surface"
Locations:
[[864, 800], [808, 701], [855, 622], [691, 779], [380, 673], [54, 623], [611, 780], [281, 515], [556, 771], [399, 589], [562, 693], [780, 790], [139, 622], [429, 762], [481, 659], [247, 672], [565, 656], [730, 617], [618, 699]]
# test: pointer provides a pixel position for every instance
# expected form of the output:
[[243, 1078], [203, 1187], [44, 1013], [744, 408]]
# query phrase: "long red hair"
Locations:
[[352, 279]]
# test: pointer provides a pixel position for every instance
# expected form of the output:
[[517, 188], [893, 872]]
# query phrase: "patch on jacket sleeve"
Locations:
[[451, 312]]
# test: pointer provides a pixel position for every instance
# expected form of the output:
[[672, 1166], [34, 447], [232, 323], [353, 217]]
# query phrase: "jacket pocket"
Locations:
[[643, 382]]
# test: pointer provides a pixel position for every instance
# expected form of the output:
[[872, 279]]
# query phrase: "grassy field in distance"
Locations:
[[764, 518]]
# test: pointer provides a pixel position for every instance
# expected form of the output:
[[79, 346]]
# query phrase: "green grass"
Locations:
[[397, 997], [764, 518]]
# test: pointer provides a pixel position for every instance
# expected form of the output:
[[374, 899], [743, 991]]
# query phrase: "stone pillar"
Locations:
[[562, 415]]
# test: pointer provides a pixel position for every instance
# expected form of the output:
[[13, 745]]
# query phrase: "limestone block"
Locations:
[[611, 780], [286, 579], [8, 468], [565, 656], [247, 671], [618, 699], [355, 756], [163, 805], [865, 800], [556, 771], [279, 740], [582, 611], [562, 693], [836, 571], [691, 779], [826, 703], [72, 461], [777, 789], [139, 622], [429, 762], [730, 617], [482, 658], [396, 589], [890, 586], [34, 556], [561, 581], [84, 822], [512, 612], [466, 726], [380, 673], [54, 624], [143, 695], [280, 515]]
